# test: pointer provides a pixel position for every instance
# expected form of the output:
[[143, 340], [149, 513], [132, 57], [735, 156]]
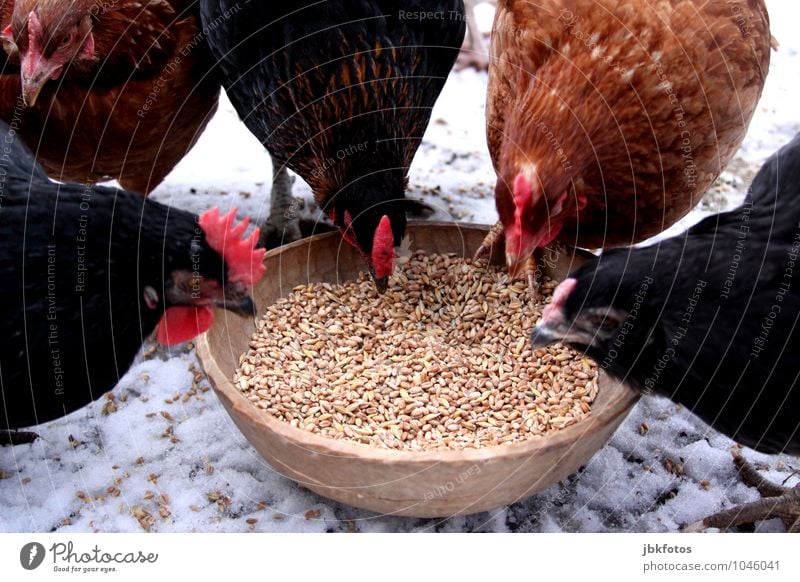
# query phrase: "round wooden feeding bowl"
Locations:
[[421, 484]]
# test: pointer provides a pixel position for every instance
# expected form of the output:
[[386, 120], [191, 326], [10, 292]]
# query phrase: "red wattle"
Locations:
[[550, 235], [347, 232], [181, 324]]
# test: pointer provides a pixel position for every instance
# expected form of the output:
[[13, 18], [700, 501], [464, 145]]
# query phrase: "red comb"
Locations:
[[523, 193], [384, 237], [383, 255], [245, 261], [553, 310]]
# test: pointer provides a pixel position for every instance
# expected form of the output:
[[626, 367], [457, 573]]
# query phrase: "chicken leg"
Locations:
[[283, 224], [530, 267], [778, 501]]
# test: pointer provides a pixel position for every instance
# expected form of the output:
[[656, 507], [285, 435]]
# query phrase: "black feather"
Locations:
[[712, 315], [339, 91], [74, 261]]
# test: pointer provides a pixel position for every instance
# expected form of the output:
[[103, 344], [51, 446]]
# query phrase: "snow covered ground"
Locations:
[[161, 454]]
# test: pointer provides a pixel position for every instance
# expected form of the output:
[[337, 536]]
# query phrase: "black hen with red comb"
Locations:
[[87, 273], [710, 318], [341, 93]]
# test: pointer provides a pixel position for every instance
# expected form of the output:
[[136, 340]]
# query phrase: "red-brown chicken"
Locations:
[[607, 120], [106, 89]]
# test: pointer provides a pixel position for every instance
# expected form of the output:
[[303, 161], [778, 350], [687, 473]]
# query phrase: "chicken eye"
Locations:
[[68, 40]]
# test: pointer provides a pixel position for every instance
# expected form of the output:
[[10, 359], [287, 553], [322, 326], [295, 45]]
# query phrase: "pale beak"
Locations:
[[547, 333], [36, 71], [516, 262], [521, 248]]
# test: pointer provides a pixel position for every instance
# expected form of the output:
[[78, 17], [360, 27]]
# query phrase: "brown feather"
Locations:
[[131, 113], [636, 104]]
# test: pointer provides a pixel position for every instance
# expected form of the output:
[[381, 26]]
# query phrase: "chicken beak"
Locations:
[[381, 283], [246, 307], [237, 301], [36, 71], [547, 333], [514, 265], [516, 262], [520, 247]]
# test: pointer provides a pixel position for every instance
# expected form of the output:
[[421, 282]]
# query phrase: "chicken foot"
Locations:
[[283, 224], [778, 501], [530, 267]]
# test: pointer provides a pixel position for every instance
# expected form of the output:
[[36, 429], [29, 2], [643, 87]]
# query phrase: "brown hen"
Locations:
[[106, 90], [607, 120]]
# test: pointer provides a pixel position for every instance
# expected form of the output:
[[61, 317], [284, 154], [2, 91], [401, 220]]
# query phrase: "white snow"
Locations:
[[166, 456]]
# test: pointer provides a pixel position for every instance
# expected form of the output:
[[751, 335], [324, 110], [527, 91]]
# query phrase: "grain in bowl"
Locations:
[[440, 361]]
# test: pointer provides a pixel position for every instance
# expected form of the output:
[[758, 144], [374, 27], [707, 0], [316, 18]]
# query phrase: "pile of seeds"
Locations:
[[442, 360]]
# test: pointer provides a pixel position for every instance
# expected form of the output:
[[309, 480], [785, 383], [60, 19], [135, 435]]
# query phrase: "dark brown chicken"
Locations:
[[341, 93], [106, 89], [608, 119]]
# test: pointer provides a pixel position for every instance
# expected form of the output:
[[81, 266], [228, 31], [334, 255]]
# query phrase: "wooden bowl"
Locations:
[[420, 484]]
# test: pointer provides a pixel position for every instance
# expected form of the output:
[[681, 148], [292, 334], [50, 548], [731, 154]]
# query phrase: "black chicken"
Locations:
[[341, 93], [708, 318], [89, 272]]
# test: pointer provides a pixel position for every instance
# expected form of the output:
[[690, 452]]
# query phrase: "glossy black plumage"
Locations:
[[339, 91], [74, 261], [709, 318]]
